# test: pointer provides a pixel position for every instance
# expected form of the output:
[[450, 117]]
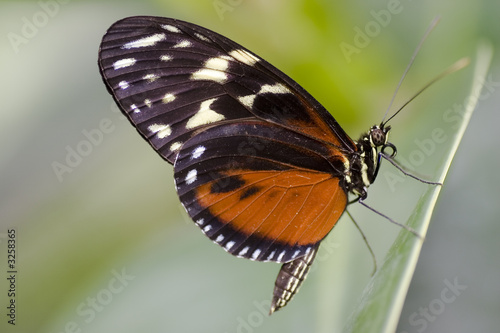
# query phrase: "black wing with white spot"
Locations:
[[173, 79]]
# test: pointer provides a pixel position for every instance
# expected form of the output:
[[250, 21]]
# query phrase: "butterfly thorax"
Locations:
[[364, 162]]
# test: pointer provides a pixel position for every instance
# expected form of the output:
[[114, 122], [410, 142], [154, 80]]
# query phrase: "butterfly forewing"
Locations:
[[173, 78]]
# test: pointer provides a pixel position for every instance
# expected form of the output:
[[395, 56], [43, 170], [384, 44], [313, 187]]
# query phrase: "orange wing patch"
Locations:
[[295, 207]]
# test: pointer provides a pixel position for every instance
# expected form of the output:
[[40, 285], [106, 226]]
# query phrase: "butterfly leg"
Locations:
[[403, 171]]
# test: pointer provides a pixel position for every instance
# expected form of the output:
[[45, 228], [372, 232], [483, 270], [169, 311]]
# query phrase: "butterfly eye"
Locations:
[[378, 136]]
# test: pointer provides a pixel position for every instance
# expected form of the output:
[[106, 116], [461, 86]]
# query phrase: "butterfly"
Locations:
[[261, 167]]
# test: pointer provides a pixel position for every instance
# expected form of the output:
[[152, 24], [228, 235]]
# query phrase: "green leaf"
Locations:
[[380, 306]]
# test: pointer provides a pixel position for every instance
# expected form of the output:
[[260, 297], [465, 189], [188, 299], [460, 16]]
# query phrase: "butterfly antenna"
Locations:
[[431, 27], [453, 68]]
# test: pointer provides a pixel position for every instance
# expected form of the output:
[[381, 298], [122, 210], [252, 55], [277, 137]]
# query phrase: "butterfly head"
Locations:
[[364, 164]]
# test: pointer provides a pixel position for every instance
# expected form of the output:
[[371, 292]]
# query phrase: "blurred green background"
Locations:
[[115, 212]]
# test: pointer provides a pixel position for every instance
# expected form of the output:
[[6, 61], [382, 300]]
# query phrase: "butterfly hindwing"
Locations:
[[173, 79], [260, 191]]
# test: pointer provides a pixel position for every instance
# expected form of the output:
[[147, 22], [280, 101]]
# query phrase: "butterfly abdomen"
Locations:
[[290, 278]]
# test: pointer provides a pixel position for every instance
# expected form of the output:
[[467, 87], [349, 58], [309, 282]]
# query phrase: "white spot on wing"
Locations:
[[277, 88], [200, 222], [207, 228], [168, 98], [170, 28], [271, 255], [244, 251], [204, 116], [123, 63], [255, 254], [220, 64], [145, 41], [151, 77], [214, 70], [281, 255], [175, 146], [295, 254], [165, 58], [197, 152], [161, 131], [191, 176], [209, 75], [123, 85], [244, 57], [219, 238], [200, 36], [134, 108], [229, 245], [247, 100], [148, 102], [182, 44]]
